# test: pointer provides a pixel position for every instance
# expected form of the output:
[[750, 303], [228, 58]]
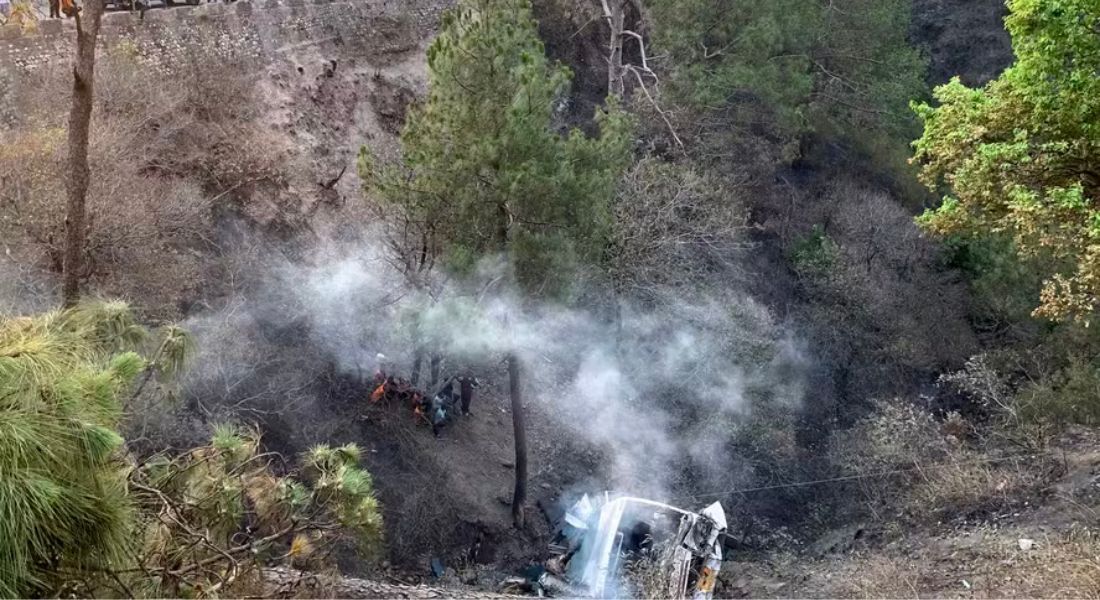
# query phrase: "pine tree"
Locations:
[[63, 501], [842, 67], [483, 163], [485, 172]]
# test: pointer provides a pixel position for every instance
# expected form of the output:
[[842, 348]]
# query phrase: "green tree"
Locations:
[[79, 517], [212, 516], [63, 501], [836, 67], [1021, 155], [484, 168], [486, 172]]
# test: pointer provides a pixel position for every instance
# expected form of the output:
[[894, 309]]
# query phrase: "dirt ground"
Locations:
[[1044, 545], [446, 498]]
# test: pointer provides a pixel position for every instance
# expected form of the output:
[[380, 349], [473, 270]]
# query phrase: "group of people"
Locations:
[[454, 396], [57, 8]]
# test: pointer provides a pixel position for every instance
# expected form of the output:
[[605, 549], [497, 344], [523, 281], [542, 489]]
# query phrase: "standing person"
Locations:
[[466, 385], [55, 9], [5, 9]]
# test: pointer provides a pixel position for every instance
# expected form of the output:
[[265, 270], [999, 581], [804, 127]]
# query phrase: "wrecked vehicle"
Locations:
[[622, 546]]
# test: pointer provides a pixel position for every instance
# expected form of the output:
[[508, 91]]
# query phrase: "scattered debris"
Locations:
[[437, 567], [600, 543]]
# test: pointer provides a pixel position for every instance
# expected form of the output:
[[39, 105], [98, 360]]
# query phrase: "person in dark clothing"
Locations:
[[439, 407], [640, 539], [466, 385]]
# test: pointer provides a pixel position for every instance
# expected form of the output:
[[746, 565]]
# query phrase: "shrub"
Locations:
[[918, 466], [214, 515], [163, 151]]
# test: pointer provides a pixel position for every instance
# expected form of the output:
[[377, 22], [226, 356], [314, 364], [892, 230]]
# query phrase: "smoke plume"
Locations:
[[658, 388]]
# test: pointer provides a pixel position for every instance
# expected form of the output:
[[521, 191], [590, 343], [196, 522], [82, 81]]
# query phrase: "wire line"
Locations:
[[858, 476]]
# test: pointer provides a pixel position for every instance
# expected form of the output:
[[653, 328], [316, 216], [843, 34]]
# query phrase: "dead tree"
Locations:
[[615, 19], [80, 120], [519, 430], [614, 12]]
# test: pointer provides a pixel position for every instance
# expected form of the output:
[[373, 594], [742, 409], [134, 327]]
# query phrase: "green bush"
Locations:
[[815, 255]]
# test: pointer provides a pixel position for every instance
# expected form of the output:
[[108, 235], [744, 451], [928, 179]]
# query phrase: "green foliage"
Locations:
[[1003, 286], [829, 67], [816, 254], [1070, 395], [213, 513], [484, 169], [1022, 154], [63, 502]]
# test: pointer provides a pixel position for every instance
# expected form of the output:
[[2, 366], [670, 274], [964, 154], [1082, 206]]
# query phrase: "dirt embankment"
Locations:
[[446, 497], [1039, 544]]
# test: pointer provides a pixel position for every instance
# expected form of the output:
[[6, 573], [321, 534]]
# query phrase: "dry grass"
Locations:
[[941, 467], [164, 151], [1065, 565]]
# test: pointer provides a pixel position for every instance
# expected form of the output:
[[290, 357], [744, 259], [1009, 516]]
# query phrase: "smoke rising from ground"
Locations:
[[659, 392]]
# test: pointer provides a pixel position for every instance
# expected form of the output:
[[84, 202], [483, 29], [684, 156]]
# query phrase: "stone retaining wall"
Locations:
[[257, 31]]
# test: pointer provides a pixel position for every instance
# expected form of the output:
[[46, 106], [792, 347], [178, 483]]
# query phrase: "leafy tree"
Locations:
[[1022, 154], [842, 66], [63, 502], [485, 171]]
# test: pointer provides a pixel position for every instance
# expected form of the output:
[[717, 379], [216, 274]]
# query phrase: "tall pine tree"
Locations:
[[486, 172]]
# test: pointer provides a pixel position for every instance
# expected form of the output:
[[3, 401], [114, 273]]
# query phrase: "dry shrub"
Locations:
[[674, 225], [162, 150], [918, 466], [1062, 565], [884, 280]]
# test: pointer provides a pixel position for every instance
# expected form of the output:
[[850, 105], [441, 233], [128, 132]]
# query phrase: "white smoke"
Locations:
[[657, 391]]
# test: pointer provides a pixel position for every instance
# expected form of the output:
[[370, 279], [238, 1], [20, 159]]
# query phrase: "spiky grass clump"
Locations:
[[63, 502]]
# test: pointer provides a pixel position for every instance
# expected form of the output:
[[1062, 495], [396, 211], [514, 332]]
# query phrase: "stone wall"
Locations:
[[259, 28], [258, 31]]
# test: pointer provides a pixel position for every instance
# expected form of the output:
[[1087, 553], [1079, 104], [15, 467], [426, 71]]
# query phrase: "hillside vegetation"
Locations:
[[824, 262]]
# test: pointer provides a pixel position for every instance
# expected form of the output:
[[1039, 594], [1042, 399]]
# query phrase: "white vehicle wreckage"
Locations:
[[603, 540]]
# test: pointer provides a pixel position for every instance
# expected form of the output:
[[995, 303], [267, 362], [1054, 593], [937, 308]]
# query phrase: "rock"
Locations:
[[838, 541], [1026, 544]]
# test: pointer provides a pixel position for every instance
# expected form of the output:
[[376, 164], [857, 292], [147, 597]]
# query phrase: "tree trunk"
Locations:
[[418, 355], [80, 121], [433, 368], [519, 430], [614, 13]]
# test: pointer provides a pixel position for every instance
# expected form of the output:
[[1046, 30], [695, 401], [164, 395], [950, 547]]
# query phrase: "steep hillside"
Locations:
[[964, 38], [763, 315]]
